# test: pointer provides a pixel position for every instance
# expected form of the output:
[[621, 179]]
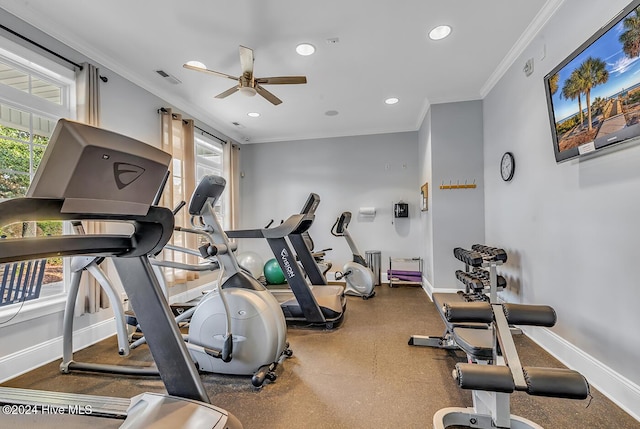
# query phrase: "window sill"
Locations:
[[14, 314]]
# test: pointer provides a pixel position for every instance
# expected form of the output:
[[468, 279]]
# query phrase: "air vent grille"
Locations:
[[172, 79]]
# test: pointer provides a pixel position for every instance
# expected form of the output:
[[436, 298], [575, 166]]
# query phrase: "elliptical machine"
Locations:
[[359, 278], [237, 328]]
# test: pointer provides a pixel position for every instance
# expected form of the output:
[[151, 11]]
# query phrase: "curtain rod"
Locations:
[[208, 133], [163, 110], [33, 42], [44, 48]]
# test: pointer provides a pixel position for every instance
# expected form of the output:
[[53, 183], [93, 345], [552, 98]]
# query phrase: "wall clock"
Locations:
[[507, 166]]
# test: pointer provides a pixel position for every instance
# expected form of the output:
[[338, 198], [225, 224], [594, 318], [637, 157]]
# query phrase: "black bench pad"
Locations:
[[440, 299], [492, 378], [550, 382], [555, 383], [477, 343]]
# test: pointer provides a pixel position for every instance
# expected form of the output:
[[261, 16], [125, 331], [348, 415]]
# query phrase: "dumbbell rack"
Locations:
[[481, 257]]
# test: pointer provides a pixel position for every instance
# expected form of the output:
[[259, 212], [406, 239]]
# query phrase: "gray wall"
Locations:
[[451, 152], [130, 110], [458, 217], [570, 229], [347, 173], [426, 217]]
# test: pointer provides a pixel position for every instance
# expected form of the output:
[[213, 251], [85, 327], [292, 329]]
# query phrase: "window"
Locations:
[[209, 160], [23, 139], [34, 94]]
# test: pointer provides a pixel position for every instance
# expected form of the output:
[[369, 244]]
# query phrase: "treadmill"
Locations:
[[317, 304], [88, 173]]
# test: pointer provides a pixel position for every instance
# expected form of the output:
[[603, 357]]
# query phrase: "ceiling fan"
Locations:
[[248, 84]]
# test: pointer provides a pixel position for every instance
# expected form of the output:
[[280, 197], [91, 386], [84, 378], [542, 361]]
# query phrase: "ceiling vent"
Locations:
[[172, 79]]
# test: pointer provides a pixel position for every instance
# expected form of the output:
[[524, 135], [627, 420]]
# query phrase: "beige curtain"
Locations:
[[178, 140], [91, 297], [231, 159]]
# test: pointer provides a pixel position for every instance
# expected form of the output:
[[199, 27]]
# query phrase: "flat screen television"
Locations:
[[593, 96]]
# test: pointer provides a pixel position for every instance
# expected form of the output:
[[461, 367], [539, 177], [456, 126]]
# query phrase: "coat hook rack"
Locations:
[[459, 185]]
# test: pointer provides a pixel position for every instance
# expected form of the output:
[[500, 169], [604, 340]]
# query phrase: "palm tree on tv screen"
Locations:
[[572, 89], [630, 39], [553, 83], [592, 72]]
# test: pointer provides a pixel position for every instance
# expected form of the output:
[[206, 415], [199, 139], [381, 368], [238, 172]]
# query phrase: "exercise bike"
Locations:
[[359, 278]]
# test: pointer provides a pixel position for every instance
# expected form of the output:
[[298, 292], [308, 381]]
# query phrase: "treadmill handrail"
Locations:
[[296, 224], [151, 232]]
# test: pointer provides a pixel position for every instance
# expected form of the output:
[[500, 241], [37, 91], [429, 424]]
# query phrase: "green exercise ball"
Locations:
[[272, 273]]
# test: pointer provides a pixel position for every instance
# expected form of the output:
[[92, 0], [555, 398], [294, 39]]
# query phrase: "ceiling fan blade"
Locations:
[[246, 60], [227, 93], [281, 80], [203, 70], [269, 96]]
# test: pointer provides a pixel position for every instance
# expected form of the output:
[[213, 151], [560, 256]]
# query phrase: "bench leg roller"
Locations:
[[556, 383], [484, 377]]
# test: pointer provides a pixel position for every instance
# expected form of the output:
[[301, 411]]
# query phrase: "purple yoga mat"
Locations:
[[404, 273]]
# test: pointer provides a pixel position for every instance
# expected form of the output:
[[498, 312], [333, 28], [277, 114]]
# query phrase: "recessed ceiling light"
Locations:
[[253, 114], [196, 64], [440, 32], [305, 49], [391, 100]]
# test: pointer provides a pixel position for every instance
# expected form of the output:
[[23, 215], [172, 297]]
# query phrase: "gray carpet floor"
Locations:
[[361, 375]]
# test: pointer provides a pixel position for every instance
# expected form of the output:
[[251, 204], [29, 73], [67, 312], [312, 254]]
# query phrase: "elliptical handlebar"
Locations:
[[177, 208], [271, 223]]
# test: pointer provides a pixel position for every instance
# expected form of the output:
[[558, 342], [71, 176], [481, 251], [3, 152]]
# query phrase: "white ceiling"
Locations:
[[383, 51]]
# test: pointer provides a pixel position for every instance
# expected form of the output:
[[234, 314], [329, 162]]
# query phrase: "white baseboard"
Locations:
[[428, 287], [33, 357], [613, 385], [28, 359]]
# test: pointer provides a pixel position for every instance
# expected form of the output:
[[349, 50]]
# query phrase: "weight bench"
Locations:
[[447, 340], [476, 282], [494, 377]]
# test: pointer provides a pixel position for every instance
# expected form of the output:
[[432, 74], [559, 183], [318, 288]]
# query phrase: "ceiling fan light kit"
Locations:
[[248, 84], [247, 90], [196, 64]]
